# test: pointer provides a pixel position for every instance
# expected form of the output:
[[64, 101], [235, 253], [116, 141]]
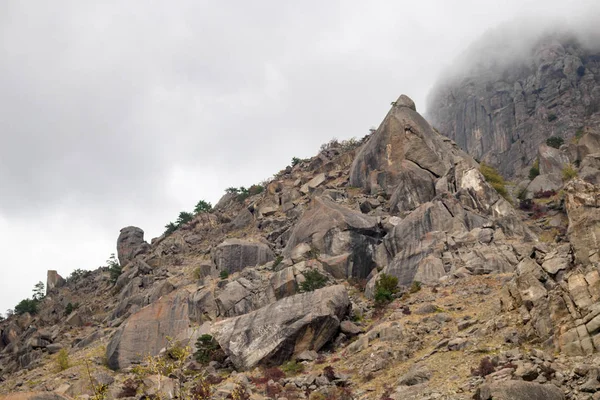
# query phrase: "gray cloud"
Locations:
[[127, 112]]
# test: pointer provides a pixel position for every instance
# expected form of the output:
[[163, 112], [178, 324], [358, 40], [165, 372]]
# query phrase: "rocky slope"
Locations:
[[507, 100], [487, 293]]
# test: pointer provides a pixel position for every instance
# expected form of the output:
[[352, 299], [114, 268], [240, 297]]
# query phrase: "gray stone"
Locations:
[[130, 244], [518, 390], [283, 329], [234, 255]]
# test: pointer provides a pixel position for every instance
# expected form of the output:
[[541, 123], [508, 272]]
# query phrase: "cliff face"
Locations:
[[505, 105]]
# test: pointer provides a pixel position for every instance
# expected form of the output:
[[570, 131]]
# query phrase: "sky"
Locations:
[[128, 112]]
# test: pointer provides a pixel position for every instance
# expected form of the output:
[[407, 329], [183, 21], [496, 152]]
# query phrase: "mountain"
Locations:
[[392, 266], [510, 93]]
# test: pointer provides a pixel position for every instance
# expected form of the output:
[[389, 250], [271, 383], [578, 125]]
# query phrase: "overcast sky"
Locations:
[[128, 112]]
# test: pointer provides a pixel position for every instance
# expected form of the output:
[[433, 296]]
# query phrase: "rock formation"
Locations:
[[500, 108], [130, 244]]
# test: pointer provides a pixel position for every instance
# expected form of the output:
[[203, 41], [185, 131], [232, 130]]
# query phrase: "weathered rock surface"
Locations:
[[285, 328], [518, 390], [334, 230], [233, 255], [145, 332], [130, 244], [500, 108], [53, 280]]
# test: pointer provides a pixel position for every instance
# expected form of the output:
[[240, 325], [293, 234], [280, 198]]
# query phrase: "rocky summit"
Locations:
[[396, 266]]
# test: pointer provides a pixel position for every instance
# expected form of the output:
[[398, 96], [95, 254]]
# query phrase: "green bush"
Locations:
[[170, 228], [295, 161], [207, 349], [313, 280], [277, 261], [292, 367], [578, 134], [552, 117], [415, 287], [202, 207], [255, 189], [493, 177], [70, 308], [27, 306], [535, 169], [385, 288], [224, 274], [568, 172], [77, 275], [184, 218], [62, 360], [114, 268], [555, 141]]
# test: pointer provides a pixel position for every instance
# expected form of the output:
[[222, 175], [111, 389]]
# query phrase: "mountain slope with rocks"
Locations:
[[507, 97], [394, 266]]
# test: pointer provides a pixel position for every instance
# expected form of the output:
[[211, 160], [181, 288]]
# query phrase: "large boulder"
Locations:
[[335, 230], [145, 332], [233, 255], [518, 390], [551, 160], [282, 329], [131, 244], [53, 280], [582, 202], [403, 143], [544, 183]]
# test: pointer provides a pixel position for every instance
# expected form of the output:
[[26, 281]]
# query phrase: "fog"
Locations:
[[125, 113]]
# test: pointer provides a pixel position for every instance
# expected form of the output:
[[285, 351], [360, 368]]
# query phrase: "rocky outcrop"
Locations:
[[53, 280], [518, 390], [145, 332], [289, 326], [582, 203], [500, 108], [234, 255], [33, 396], [333, 230], [130, 244]]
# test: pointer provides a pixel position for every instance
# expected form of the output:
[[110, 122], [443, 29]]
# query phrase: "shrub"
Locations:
[[170, 228], [277, 261], [522, 194], [568, 172], [415, 287], [255, 189], [129, 388], [526, 204], [184, 217], [272, 390], [232, 190], [555, 141], [202, 207], [385, 288], [329, 373], [484, 369], [292, 367], [27, 306], [38, 291], [535, 169], [240, 393], [494, 178], [313, 280], [295, 161], [114, 268], [273, 373], [552, 117], [314, 253], [224, 274], [578, 134], [70, 308], [62, 360], [202, 390], [76, 275], [207, 349]]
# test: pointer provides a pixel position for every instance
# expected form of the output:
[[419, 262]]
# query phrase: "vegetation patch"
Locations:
[[493, 177], [555, 141]]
